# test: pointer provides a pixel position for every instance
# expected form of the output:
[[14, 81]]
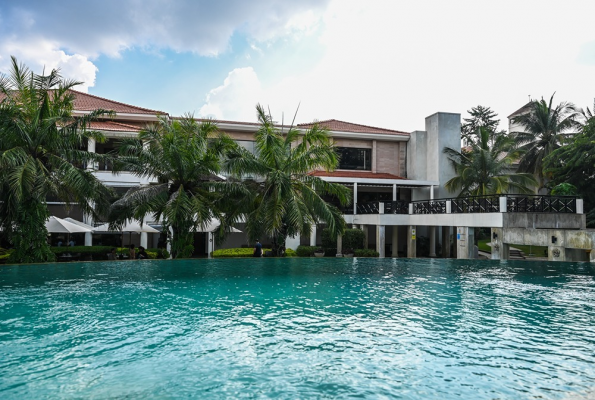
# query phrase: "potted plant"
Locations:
[[319, 252], [348, 253]]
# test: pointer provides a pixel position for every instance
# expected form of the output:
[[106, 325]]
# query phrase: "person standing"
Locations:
[[257, 249], [132, 253]]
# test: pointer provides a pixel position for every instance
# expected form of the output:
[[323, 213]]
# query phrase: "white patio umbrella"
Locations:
[[59, 225], [214, 224], [79, 223], [130, 226]]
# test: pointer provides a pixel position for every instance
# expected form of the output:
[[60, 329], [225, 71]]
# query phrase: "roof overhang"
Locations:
[[398, 182]]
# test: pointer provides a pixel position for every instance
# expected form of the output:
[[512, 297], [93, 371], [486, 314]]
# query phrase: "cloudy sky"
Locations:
[[386, 63]]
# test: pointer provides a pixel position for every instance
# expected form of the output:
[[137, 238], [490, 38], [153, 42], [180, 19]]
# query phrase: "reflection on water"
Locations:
[[297, 328]]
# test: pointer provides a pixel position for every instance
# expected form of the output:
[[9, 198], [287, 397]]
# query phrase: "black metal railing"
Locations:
[[475, 204], [396, 207], [541, 204], [367, 208], [429, 207]]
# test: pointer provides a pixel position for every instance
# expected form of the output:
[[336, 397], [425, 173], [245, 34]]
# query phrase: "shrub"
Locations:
[[354, 239], [328, 240], [290, 253], [236, 252], [4, 254], [306, 251], [366, 253]]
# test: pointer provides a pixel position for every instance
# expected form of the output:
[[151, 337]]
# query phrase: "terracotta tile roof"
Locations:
[[342, 126], [356, 174], [113, 126], [89, 102]]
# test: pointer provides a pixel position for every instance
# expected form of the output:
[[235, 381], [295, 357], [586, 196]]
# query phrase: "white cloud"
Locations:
[[237, 97], [42, 55]]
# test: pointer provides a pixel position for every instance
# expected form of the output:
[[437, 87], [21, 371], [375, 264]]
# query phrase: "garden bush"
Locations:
[[245, 252], [354, 239], [306, 251], [366, 253]]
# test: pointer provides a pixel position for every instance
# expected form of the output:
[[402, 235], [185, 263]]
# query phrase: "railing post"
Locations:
[[410, 208], [503, 204], [381, 207], [448, 206]]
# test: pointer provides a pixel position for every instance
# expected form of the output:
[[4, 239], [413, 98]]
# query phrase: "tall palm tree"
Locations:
[[184, 157], [485, 170], [288, 200], [545, 126], [42, 147]]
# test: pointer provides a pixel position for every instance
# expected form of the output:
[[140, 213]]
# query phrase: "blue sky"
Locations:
[[384, 63]]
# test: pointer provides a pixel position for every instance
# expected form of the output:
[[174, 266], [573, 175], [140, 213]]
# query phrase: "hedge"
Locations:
[[101, 252], [365, 253], [245, 252]]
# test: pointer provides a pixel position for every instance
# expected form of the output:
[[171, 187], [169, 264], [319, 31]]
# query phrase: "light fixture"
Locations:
[[494, 235], [554, 239]]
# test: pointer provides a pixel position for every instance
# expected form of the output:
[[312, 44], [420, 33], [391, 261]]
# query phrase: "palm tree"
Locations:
[[184, 157], [287, 199], [484, 170], [41, 148], [545, 126]]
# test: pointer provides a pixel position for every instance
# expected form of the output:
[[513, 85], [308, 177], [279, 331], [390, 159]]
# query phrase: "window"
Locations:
[[248, 145], [353, 158]]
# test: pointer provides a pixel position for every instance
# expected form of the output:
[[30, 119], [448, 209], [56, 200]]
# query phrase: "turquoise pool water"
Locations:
[[298, 328]]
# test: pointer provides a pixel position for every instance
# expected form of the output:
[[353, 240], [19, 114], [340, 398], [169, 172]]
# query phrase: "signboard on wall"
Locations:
[[412, 234]]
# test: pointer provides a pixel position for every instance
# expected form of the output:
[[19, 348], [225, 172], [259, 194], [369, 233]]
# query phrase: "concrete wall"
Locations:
[[444, 130], [544, 220]]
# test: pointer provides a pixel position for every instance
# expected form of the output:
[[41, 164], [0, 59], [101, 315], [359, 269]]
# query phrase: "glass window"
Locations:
[[248, 145], [353, 158]]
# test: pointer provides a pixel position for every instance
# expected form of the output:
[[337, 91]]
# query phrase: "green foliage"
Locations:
[[484, 168], [574, 164], [366, 253], [236, 252], [544, 126], [306, 251], [185, 158], [564, 189], [481, 117], [290, 253], [287, 200], [354, 239], [42, 147], [329, 240]]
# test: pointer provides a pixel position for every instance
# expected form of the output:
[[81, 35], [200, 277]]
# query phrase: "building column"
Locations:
[[446, 242], [395, 241], [465, 242], [364, 229], [380, 240], [313, 236], [394, 192], [210, 244], [88, 219], [496, 237], [432, 233], [374, 158], [339, 246], [411, 242], [354, 198]]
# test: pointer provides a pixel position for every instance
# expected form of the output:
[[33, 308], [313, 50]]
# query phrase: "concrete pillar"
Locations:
[[395, 241], [465, 242], [169, 237], [364, 228], [505, 251], [144, 239], [210, 244], [502, 201], [354, 198], [88, 238], [394, 192], [91, 146], [411, 241], [432, 192], [292, 242], [380, 240], [313, 236], [432, 233], [556, 253], [339, 246], [446, 242], [591, 255], [496, 236]]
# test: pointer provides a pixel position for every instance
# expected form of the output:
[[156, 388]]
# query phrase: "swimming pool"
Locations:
[[298, 328]]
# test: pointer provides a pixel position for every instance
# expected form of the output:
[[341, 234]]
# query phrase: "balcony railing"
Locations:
[[541, 204], [429, 207], [475, 204]]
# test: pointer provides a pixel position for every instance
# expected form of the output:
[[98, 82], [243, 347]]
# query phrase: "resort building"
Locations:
[[397, 179]]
